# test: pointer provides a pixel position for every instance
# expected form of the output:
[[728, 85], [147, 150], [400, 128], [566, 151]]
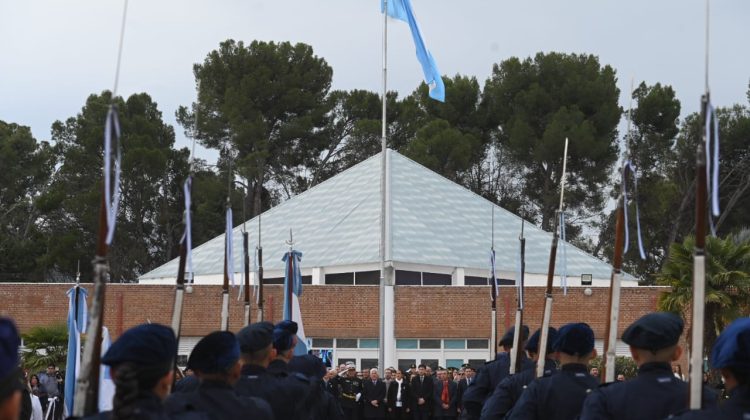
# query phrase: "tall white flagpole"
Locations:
[[383, 197]]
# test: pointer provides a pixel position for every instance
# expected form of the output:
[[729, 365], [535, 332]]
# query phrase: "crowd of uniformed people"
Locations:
[[254, 375]]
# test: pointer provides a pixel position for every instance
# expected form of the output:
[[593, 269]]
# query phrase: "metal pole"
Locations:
[[383, 195]]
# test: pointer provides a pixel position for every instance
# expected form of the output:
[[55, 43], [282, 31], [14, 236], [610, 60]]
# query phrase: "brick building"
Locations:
[[434, 324]]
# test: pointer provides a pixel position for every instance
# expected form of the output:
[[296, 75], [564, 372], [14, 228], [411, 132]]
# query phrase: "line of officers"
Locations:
[[254, 375]]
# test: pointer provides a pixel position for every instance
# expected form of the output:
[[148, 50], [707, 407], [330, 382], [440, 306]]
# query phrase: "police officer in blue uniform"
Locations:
[[142, 367], [655, 393], [491, 374], [309, 370], [284, 341], [256, 352], [731, 354], [560, 396], [10, 372], [509, 390], [216, 362]]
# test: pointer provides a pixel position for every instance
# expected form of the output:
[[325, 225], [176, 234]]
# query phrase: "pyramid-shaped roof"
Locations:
[[434, 221]]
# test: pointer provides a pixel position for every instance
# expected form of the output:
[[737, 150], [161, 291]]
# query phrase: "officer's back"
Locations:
[[655, 393], [215, 360]]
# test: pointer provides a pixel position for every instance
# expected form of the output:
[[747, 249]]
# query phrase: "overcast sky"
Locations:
[[53, 54]]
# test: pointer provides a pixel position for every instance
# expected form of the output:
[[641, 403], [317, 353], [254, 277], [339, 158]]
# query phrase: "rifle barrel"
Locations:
[[695, 377], [610, 336]]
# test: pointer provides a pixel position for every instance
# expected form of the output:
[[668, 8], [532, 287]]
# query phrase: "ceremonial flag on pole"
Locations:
[[292, 291], [402, 10], [106, 384], [77, 320], [494, 292]]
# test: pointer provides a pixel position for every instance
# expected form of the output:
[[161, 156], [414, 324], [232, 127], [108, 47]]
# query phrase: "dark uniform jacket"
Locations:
[[559, 396], [421, 387], [373, 392], [509, 391], [278, 368], [736, 407], [491, 374], [147, 407], [218, 401], [405, 394], [257, 382], [347, 390], [654, 394], [452, 409]]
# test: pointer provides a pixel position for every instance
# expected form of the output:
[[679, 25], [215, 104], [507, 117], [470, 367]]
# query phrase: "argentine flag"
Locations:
[[77, 321], [401, 10], [292, 291]]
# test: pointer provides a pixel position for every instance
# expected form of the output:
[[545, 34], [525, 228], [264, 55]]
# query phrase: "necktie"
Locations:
[[445, 397]]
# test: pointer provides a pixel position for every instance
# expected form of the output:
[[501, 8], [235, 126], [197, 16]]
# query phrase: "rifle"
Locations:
[[543, 334], [516, 356], [245, 245], [260, 273], [86, 401], [225, 285]]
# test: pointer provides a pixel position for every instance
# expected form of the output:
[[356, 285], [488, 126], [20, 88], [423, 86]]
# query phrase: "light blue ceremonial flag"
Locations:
[[402, 10], [292, 291], [77, 320]]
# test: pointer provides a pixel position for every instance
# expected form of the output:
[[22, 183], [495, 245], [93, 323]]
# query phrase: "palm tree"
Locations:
[[727, 281], [44, 345]]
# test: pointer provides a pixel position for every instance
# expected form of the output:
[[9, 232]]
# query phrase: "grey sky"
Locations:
[[54, 54]]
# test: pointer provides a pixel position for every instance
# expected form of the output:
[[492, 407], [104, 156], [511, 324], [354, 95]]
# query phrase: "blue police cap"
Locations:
[[533, 344], [214, 353], [144, 345], [654, 331], [507, 339], [576, 339], [283, 335], [732, 348], [255, 337], [309, 365], [10, 372]]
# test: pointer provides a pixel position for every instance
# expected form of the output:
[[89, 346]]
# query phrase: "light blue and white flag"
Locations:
[[106, 384], [77, 320], [292, 291], [402, 10]]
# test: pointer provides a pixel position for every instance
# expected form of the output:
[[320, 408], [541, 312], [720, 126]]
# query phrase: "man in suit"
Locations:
[[445, 392], [421, 387], [464, 383], [373, 395]]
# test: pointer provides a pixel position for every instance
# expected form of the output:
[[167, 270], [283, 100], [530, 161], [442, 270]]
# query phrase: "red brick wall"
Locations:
[[331, 311]]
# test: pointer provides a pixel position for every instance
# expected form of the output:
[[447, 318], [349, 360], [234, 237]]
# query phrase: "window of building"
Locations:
[[408, 278], [405, 364], [326, 343], [345, 360], [182, 360], [406, 344], [454, 344], [346, 343], [432, 363], [506, 282], [367, 278], [436, 279], [368, 343], [429, 344], [477, 363], [339, 278], [369, 364], [476, 281], [273, 280], [306, 279], [454, 363], [477, 344]]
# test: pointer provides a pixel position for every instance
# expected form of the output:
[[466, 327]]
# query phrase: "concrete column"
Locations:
[[459, 277], [318, 276], [389, 340]]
